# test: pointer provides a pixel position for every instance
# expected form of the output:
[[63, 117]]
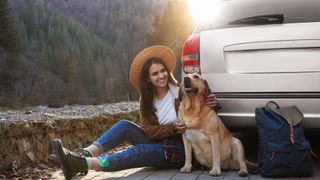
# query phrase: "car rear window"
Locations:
[[239, 13]]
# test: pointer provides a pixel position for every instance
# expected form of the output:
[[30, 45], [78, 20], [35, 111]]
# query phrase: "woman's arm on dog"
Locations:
[[212, 101], [181, 126]]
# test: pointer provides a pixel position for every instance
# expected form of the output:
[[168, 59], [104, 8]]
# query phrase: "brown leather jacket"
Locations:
[[154, 130]]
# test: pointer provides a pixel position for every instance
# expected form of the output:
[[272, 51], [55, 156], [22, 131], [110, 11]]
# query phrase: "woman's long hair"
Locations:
[[147, 89]]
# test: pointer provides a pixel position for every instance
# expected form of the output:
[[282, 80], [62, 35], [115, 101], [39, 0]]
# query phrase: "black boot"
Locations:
[[52, 158], [71, 163]]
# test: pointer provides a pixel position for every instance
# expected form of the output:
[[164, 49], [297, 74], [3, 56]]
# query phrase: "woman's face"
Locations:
[[158, 75]]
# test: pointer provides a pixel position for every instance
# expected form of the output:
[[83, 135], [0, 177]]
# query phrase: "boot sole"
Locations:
[[58, 150]]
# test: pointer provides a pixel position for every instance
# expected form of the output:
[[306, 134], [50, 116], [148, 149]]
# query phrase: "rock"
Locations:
[[39, 146], [13, 166], [27, 128], [31, 156], [14, 129], [23, 145]]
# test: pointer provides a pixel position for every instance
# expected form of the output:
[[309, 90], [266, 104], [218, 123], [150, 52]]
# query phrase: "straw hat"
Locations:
[[163, 52]]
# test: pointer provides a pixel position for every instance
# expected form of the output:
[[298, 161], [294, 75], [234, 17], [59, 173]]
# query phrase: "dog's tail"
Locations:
[[252, 167]]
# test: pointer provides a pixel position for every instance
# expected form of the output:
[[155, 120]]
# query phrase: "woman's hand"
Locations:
[[181, 126], [211, 100]]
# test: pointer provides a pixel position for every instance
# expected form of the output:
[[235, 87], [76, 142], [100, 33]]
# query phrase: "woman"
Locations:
[[157, 142]]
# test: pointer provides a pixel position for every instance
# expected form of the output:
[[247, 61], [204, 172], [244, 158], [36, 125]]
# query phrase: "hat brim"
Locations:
[[160, 51]]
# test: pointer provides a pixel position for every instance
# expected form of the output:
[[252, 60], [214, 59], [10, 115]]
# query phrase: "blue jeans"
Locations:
[[144, 151]]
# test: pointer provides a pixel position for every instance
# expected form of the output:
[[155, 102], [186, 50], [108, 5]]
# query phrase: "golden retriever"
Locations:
[[213, 145]]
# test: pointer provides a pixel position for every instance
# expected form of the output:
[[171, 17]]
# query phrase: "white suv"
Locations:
[[257, 51]]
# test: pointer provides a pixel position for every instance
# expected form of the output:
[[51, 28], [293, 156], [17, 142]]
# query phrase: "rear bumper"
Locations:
[[240, 112]]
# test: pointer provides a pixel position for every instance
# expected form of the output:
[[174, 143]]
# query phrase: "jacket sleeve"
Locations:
[[155, 131]]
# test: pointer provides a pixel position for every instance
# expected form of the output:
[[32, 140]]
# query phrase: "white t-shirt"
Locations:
[[166, 111]]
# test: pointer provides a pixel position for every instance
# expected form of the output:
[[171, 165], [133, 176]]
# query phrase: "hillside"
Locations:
[[80, 51], [89, 45]]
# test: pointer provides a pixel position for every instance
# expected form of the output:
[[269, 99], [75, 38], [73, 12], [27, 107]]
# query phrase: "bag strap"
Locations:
[[283, 112], [272, 102]]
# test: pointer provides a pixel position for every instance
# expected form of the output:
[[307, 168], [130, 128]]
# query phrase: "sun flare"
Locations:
[[203, 10]]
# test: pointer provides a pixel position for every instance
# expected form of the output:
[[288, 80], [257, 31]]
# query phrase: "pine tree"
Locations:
[[9, 54], [9, 40]]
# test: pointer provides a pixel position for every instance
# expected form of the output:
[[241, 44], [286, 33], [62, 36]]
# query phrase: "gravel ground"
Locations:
[[74, 111], [31, 171]]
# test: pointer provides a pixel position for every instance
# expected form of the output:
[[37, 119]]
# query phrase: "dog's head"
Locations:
[[194, 84]]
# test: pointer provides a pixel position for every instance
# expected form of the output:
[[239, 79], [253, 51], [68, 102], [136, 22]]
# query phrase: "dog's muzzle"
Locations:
[[187, 86]]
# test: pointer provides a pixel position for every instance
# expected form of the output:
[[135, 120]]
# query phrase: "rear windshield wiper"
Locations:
[[261, 19]]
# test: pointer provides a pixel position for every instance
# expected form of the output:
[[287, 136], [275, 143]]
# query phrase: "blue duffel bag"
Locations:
[[283, 148]]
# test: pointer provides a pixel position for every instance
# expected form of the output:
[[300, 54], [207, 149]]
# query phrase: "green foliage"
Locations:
[[80, 51], [62, 45], [9, 52], [9, 40]]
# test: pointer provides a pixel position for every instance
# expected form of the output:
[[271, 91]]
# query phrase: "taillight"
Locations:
[[190, 56]]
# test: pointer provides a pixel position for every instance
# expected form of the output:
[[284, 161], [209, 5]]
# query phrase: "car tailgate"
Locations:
[[249, 66], [275, 58]]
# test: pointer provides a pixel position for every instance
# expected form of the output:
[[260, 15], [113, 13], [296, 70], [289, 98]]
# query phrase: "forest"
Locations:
[[59, 52]]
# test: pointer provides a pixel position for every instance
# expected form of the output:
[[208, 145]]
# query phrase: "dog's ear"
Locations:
[[208, 90]]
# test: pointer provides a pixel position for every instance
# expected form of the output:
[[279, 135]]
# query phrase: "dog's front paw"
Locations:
[[215, 172], [243, 172], [186, 169]]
